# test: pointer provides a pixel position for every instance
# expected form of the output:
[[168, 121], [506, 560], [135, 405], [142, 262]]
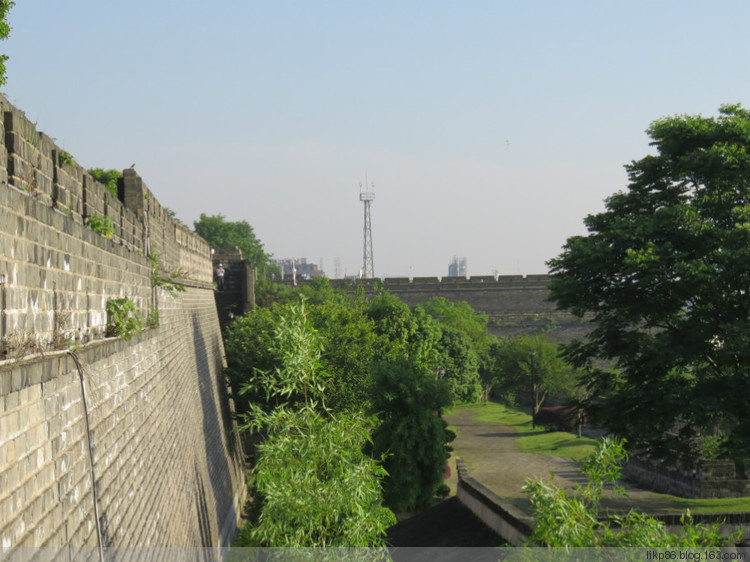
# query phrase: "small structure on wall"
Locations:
[[237, 295]]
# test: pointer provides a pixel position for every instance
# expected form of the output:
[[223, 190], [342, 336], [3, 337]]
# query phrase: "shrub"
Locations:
[[101, 224], [123, 319], [572, 519]]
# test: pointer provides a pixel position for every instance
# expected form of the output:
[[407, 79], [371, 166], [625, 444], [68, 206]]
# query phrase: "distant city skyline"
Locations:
[[490, 129]]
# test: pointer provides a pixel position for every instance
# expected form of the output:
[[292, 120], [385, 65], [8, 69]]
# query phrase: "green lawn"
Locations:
[[539, 441], [567, 445]]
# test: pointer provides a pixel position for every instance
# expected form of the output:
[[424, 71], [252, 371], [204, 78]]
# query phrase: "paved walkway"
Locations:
[[494, 459]]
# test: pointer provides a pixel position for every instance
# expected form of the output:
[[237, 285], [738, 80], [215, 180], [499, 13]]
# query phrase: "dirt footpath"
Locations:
[[493, 458]]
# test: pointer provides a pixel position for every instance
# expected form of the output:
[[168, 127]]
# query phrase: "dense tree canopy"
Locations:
[[463, 347], [530, 365], [461, 316], [379, 358], [313, 486], [250, 353], [408, 399], [664, 275], [458, 363], [221, 233]]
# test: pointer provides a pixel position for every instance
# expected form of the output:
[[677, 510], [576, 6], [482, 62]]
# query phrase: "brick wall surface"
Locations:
[[167, 468]]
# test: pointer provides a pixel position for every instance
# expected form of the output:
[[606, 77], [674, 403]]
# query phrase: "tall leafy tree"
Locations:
[[664, 275], [313, 485], [406, 332], [349, 349], [220, 233], [463, 347], [530, 365], [250, 353], [461, 316], [458, 362], [5, 6], [408, 398]]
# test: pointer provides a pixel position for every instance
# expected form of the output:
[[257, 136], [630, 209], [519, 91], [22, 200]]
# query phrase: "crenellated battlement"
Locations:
[[53, 263]]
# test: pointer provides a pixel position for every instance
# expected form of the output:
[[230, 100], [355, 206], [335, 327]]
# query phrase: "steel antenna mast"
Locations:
[[367, 197]]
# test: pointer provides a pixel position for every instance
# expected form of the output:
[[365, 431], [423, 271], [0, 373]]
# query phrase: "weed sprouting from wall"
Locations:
[[18, 345], [66, 159], [123, 320], [167, 278], [61, 334], [100, 224], [30, 179]]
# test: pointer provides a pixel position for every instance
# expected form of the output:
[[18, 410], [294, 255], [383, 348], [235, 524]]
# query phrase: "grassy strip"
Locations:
[[567, 445], [538, 441]]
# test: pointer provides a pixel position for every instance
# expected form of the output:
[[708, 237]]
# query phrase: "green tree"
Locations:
[[572, 519], [314, 485], [250, 353], [349, 346], [409, 399], [663, 276], [5, 6], [458, 362], [406, 332], [530, 364], [461, 316], [221, 233], [349, 350], [464, 345]]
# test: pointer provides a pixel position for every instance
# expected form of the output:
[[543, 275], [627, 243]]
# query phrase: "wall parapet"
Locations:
[[435, 283], [57, 274], [513, 304], [504, 518]]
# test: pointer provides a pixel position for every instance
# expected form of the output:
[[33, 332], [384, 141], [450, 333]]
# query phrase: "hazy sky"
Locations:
[[489, 128]]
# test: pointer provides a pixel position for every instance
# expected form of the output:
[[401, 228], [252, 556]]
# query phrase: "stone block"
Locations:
[[7, 454], [5, 383], [17, 123]]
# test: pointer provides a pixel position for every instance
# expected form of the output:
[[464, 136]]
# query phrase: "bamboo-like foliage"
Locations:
[[313, 485]]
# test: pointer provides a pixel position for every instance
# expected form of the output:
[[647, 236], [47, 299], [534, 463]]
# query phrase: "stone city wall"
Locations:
[[514, 304], [153, 411]]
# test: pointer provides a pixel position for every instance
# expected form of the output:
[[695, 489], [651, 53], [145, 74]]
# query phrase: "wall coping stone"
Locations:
[[504, 518], [24, 372]]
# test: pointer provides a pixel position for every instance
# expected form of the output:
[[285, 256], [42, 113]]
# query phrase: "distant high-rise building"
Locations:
[[298, 268], [337, 268], [457, 267]]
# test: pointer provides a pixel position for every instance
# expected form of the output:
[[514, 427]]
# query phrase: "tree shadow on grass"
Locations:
[[572, 475], [511, 434]]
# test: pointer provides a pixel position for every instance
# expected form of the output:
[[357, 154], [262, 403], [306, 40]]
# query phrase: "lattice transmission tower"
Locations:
[[367, 197]]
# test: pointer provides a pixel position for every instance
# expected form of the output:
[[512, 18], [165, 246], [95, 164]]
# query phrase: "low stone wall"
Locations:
[[502, 517], [708, 479], [515, 526]]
